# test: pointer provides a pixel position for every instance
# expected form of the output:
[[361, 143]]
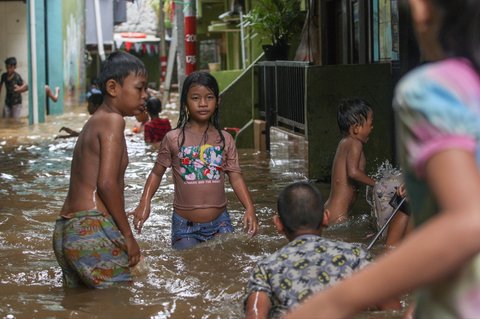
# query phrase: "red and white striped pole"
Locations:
[[190, 26]]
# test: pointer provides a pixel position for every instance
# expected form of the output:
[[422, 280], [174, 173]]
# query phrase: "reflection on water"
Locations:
[[205, 282]]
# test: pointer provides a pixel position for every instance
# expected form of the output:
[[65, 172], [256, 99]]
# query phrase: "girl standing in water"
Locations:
[[200, 154], [438, 119]]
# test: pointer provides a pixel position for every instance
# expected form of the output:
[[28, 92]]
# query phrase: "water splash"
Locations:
[[384, 171], [205, 282], [388, 179]]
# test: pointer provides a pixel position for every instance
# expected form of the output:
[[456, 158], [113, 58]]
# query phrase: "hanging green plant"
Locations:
[[275, 21]]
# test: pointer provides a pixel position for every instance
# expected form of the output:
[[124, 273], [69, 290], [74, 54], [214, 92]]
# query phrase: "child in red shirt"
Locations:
[[157, 127]]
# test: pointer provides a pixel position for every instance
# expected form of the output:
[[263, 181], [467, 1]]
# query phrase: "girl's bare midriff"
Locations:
[[201, 215]]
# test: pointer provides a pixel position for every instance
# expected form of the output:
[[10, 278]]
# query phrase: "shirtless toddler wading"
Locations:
[[355, 120]]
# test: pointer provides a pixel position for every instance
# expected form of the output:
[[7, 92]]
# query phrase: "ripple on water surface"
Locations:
[[207, 281]]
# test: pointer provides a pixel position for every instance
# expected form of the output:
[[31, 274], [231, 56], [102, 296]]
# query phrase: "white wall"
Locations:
[[13, 42]]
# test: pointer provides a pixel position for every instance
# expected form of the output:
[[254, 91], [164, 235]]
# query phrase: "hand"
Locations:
[[140, 216], [250, 223], [67, 129], [402, 191], [133, 251]]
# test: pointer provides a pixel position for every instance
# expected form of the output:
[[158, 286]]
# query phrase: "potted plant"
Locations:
[[275, 21]]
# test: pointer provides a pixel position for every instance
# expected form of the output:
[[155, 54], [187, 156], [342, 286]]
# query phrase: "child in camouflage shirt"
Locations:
[[308, 263]]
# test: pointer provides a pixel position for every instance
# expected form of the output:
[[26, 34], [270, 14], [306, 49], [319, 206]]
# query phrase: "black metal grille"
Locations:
[[281, 92]]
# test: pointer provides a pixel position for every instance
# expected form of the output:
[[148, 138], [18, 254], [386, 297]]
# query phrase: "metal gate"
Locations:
[[282, 94]]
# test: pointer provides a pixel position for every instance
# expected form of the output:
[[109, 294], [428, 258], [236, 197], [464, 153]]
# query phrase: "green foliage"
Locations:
[[275, 20]]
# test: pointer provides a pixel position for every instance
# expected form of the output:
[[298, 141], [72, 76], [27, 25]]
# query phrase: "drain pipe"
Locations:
[[33, 55], [98, 23]]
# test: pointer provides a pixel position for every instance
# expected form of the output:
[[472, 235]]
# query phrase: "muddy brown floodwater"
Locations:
[[207, 281]]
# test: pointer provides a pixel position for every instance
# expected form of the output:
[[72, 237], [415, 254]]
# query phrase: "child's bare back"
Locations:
[[344, 189], [101, 137], [355, 119], [92, 239]]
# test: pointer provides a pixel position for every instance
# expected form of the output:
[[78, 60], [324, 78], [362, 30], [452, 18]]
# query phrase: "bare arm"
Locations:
[[354, 171], [250, 221], [414, 262], [111, 181], [258, 305], [142, 212], [21, 88], [50, 94], [70, 132]]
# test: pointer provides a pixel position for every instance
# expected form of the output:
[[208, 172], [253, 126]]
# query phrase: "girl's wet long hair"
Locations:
[[460, 28], [207, 80]]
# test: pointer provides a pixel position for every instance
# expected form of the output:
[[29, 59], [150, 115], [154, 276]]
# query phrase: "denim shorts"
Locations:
[[182, 228]]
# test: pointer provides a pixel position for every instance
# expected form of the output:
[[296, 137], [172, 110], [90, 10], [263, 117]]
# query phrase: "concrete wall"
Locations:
[[327, 85], [237, 108], [13, 39], [226, 78], [74, 64]]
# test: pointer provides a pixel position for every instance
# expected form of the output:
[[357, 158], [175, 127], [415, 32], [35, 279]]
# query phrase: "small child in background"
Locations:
[[200, 155], [94, 99], [15, 86], [355, 120], [157, 127], [93, 84]]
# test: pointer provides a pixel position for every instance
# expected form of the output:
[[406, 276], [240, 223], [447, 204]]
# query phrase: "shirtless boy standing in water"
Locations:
[[92, 240], [355, 120]]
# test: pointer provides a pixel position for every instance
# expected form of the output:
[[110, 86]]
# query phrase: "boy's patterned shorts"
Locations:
[[91, 250]]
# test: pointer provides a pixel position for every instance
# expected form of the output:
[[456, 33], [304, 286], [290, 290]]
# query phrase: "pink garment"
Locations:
[[198, 166]]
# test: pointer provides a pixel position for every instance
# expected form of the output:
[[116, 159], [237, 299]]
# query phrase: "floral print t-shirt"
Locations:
[[438, 108], [198, 166]]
